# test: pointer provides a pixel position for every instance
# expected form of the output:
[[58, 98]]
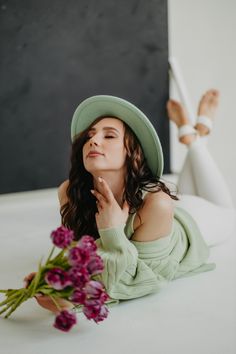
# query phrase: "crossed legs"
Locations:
[[201, 176], [202, 189]]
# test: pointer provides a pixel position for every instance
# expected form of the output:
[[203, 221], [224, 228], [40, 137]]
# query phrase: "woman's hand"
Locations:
[[109, 214], [45, 301], [28, 279]]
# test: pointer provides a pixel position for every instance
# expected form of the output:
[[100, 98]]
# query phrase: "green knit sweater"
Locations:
[[133, 269]]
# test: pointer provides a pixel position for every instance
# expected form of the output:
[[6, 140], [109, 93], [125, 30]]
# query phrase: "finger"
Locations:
[[26, 283], [99, 196], [99, 189], [27, 280], [99, 206], [29, 276], [106, 189]]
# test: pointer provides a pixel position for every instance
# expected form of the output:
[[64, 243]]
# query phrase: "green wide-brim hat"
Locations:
[[104, 105]]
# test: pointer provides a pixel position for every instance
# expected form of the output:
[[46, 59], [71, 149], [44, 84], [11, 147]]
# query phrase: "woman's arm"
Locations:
[[127, 274]]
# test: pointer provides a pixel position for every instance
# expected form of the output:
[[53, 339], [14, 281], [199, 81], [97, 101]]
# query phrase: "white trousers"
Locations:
[[204, 194]]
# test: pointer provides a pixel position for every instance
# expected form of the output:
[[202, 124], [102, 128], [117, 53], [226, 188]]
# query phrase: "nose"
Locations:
[[94, 140]]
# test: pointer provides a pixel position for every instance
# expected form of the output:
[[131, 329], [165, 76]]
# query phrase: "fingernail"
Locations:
[[100, 179], [92, 191]]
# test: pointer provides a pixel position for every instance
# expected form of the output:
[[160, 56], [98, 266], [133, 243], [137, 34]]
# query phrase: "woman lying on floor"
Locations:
[[145, 235]]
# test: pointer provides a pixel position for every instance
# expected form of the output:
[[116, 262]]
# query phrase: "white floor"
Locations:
[[191, 315]]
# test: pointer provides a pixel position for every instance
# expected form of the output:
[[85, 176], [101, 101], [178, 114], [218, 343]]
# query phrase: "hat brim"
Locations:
[[105, 105]]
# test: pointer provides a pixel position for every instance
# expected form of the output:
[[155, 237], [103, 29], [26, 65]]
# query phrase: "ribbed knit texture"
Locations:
[[133, 269]]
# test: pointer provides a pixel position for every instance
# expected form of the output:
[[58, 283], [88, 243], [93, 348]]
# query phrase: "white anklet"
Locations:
[[186, 130], [205, 121]]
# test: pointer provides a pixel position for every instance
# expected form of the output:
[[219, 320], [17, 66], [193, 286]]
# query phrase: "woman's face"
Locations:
[[106, 138]]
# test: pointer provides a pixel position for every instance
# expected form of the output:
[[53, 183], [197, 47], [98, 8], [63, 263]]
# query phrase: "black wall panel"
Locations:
[[55, 54]]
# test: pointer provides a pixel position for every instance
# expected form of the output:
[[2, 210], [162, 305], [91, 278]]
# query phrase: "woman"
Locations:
[[145, 235]]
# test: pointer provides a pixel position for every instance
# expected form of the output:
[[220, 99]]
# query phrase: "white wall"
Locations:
[[202, 38]]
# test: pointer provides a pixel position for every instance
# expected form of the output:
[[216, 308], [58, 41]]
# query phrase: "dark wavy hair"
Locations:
[[78, 214]]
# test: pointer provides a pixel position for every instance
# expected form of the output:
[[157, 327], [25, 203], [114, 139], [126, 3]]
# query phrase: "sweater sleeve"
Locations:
[[125, 275]]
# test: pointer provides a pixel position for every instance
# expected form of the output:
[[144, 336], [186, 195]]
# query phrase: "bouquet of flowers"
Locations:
[[69, 275]]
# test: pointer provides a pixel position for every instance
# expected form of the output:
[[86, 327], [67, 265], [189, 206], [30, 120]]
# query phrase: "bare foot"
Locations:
[[178, 115], [207, 107]]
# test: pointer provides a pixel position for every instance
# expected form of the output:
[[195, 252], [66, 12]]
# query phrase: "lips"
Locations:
[[94, 153]]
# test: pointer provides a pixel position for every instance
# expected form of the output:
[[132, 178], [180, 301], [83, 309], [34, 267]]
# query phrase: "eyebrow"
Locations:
[[106, 128]]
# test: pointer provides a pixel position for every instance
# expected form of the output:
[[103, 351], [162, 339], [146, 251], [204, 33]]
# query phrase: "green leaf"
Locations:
[[45, 291], [65, 293]]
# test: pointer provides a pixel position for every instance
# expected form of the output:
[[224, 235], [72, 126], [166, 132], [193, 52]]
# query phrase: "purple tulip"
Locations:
[[78, 297], [95, 290], [91, 312], [58, 278], [79, 276], [78, 256], [102, 314], [93, 302], [87, 242], [62, 237], [97, 313], [65, 320], [95, 265]]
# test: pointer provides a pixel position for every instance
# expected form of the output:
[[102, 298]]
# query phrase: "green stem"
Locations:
[[9, 298], [35, 281], [8, 305], [8, 291], [58, 256], [3, 310], [14, 307], [50, 255]]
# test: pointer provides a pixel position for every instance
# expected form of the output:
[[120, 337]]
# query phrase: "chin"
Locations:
[[93, 169]]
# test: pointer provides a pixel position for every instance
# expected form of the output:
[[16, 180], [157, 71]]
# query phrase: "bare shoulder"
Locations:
[[62, 192], [156, 215], [157, 206], [158, 200]]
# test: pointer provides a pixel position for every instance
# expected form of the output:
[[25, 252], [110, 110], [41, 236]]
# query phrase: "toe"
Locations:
[[216, 93], [213, 92], [208, 94]]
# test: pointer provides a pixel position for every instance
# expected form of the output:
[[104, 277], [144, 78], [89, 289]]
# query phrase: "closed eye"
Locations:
[[106, 136]]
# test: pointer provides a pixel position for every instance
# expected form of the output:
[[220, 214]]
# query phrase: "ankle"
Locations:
[[202, 129], [188, 139]]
